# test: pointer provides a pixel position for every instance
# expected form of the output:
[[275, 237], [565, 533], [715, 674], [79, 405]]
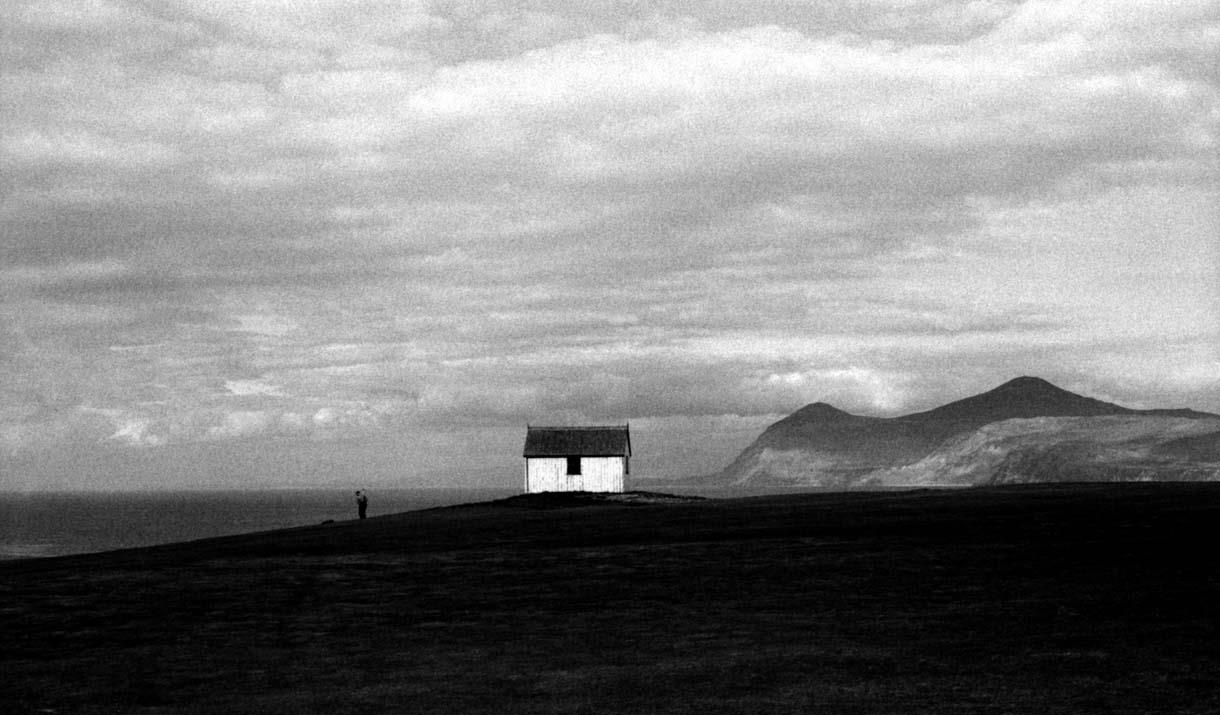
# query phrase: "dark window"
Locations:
[[573, 465]]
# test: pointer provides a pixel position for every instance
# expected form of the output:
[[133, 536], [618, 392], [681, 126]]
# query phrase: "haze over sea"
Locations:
[[59, 523]]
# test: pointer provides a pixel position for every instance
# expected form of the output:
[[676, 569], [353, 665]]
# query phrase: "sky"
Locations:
[[287, 243]]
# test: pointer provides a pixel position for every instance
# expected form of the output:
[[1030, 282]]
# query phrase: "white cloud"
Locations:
[[243, 423], [135, 432], [342, 218], [854, 388], [78, 14], [246, 388], [265, 325], [40, 147]]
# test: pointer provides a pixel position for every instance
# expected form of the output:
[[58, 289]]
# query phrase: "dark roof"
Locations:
[[612, 441]]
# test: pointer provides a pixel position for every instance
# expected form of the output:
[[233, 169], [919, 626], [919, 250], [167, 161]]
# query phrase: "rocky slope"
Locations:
[[1024, 430]]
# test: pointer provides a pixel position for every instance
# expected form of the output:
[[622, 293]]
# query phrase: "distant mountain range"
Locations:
[[1026, 430]]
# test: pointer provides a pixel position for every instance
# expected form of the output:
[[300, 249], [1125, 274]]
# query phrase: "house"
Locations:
[[577, 459]]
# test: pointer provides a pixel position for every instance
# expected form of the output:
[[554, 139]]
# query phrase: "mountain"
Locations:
[[1035, 397], [957, 443], [1068, 449]]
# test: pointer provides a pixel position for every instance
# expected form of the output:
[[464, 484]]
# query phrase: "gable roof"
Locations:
[[604, 441]]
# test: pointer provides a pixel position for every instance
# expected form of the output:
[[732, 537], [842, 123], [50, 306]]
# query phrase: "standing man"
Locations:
[[362, 503]]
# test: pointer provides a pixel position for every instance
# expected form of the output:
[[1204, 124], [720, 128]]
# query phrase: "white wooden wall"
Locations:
[[598, 474]]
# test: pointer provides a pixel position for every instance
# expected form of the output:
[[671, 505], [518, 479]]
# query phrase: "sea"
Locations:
[[36, 525]]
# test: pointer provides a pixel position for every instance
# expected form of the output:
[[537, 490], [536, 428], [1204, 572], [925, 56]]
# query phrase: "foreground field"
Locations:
[[1066, 598]]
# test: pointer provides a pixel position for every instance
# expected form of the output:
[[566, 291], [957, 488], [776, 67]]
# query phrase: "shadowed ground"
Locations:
[[1050, 599]]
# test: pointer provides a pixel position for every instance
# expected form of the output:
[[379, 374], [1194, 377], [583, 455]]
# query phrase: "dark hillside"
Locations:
[[1199, 447], [1038, 599], [1020, 397], [820, 445]]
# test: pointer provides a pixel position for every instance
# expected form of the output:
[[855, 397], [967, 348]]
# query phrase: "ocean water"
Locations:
[[36, 525]]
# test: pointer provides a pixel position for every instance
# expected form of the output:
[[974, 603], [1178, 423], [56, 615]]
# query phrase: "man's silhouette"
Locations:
[[362, 503]]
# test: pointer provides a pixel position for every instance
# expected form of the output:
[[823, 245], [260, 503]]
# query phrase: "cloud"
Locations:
[[245, 388], [83, 148], [244, 220], [604, 136]]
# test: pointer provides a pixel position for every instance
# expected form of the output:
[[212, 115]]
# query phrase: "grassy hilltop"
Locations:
[[1048, 598]]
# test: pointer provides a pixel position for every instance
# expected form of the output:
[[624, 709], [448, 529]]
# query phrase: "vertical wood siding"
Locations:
[[598, 474]]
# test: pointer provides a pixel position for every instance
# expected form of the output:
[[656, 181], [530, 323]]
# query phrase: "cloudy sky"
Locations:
[[294, 242]]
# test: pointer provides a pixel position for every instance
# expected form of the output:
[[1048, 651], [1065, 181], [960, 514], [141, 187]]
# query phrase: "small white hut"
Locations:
[[577, 459]]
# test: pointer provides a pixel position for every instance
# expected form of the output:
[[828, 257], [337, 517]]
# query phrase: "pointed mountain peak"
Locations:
[[1027, 383], [1026, 397], [819, 411], [815, 418]]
